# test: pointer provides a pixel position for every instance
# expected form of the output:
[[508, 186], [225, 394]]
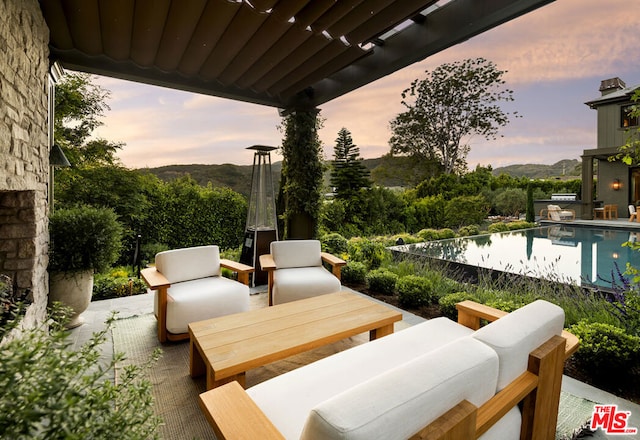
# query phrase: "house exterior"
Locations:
[[616, 183]]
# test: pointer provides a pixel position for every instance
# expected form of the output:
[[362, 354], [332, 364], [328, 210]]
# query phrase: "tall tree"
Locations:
[[348, 174], [453, 102]]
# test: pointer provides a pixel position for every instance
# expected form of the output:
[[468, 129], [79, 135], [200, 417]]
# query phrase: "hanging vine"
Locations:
[[302, 170]]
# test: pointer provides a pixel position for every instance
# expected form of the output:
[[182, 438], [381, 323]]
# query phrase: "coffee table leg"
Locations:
[[380, 332], [197, 366], [212, 383]]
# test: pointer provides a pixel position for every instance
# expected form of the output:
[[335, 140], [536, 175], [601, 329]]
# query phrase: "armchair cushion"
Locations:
[[416, 393], [302, 282], [201, 299], [517, 334], [189, 263], [296, 253]]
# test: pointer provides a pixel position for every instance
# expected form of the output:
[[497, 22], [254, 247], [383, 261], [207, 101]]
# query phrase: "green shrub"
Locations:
[[497, 227], [428, 234], [415, 291], [448, 303], [506, 305], [84, 238], [354, 272], [446, 233], [511, 202], [370, 252], [466, 210], [605, 349], [334, 243], [50, 391], [106, 286], [520, 224], [468, 230], [382, 281]]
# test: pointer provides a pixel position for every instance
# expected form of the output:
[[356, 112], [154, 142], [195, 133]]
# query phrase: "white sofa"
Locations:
[[295, 271], [395, 386], [189, 288]]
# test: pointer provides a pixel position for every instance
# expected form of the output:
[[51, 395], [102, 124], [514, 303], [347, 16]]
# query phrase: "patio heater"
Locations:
[[262, 226]]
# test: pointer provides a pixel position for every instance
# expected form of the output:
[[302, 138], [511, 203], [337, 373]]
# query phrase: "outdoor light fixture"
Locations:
[[616, 184], [57, 157]]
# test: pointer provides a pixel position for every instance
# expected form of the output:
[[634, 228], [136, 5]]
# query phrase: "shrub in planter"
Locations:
[[605, 350], [84, 240], [448, 303], [50, 391], [415, 291], [382, 281], [446, 233], [469, 230], [354, 272], [519, 224], [428, 234]]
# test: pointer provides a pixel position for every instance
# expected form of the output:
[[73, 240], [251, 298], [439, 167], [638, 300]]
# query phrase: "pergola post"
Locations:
[[301, 180]]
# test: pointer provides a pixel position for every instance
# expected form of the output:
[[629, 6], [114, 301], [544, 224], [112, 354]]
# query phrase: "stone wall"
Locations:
[[24, 151]]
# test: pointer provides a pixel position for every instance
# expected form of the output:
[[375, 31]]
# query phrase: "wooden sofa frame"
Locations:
[[268, 264], [233, 414], [157, 281]]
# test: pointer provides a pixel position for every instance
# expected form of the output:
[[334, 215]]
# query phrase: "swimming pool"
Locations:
[[582, 256]]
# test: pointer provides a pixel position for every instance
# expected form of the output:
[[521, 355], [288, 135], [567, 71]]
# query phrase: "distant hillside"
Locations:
[[385, 171], [567, 168]]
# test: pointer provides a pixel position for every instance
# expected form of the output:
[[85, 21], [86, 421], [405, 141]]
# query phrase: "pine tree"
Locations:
[[348, 174]]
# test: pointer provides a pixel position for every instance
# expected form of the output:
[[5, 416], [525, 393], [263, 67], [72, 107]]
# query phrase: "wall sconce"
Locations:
[[616, 184]]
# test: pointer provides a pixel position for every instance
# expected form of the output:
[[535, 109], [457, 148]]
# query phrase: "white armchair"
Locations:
[[296, 272], [189, 288]]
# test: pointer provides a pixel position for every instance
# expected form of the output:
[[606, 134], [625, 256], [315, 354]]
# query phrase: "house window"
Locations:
[[626, 119]]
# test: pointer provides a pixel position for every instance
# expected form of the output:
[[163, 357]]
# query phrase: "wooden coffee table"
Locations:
[[225, 348]]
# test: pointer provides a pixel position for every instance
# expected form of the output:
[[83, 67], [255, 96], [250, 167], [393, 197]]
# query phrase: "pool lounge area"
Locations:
[[588, 254]]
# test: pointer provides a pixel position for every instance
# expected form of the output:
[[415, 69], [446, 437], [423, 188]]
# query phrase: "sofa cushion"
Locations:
[[517, 334], [288, 398], [296, 253], [204, 298], [397, 403], [186, 264], [302, 282]]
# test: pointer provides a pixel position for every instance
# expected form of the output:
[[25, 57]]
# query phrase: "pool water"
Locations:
[[577, 255]]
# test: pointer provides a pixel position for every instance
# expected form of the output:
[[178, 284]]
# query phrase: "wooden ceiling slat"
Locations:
[[60, 36], [292, 39], [181, 23], [387, 19], [313, 11], [357, 16], [263, 5], [148, 25], [83, 18], [269, 33], [323, 57], [240, 30], [345, 59], [214, 21], [339, 10], [302, 54], [116, 22]]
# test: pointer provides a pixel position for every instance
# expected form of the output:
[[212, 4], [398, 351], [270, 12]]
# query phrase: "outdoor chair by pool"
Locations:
[[189, 287], [633, 214], [296, 272], [557, 214]]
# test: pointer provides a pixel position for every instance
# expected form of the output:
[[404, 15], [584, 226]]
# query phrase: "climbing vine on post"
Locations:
[[302, 172]]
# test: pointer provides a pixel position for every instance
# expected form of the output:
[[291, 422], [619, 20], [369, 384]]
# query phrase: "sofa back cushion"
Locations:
[[517, 334], [399, 402], [186, 264], [296, 253]]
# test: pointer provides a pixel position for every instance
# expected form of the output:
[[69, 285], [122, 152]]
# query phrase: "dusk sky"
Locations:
[[555, 58]]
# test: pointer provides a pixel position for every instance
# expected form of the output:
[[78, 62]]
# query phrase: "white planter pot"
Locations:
[[73, 289]]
